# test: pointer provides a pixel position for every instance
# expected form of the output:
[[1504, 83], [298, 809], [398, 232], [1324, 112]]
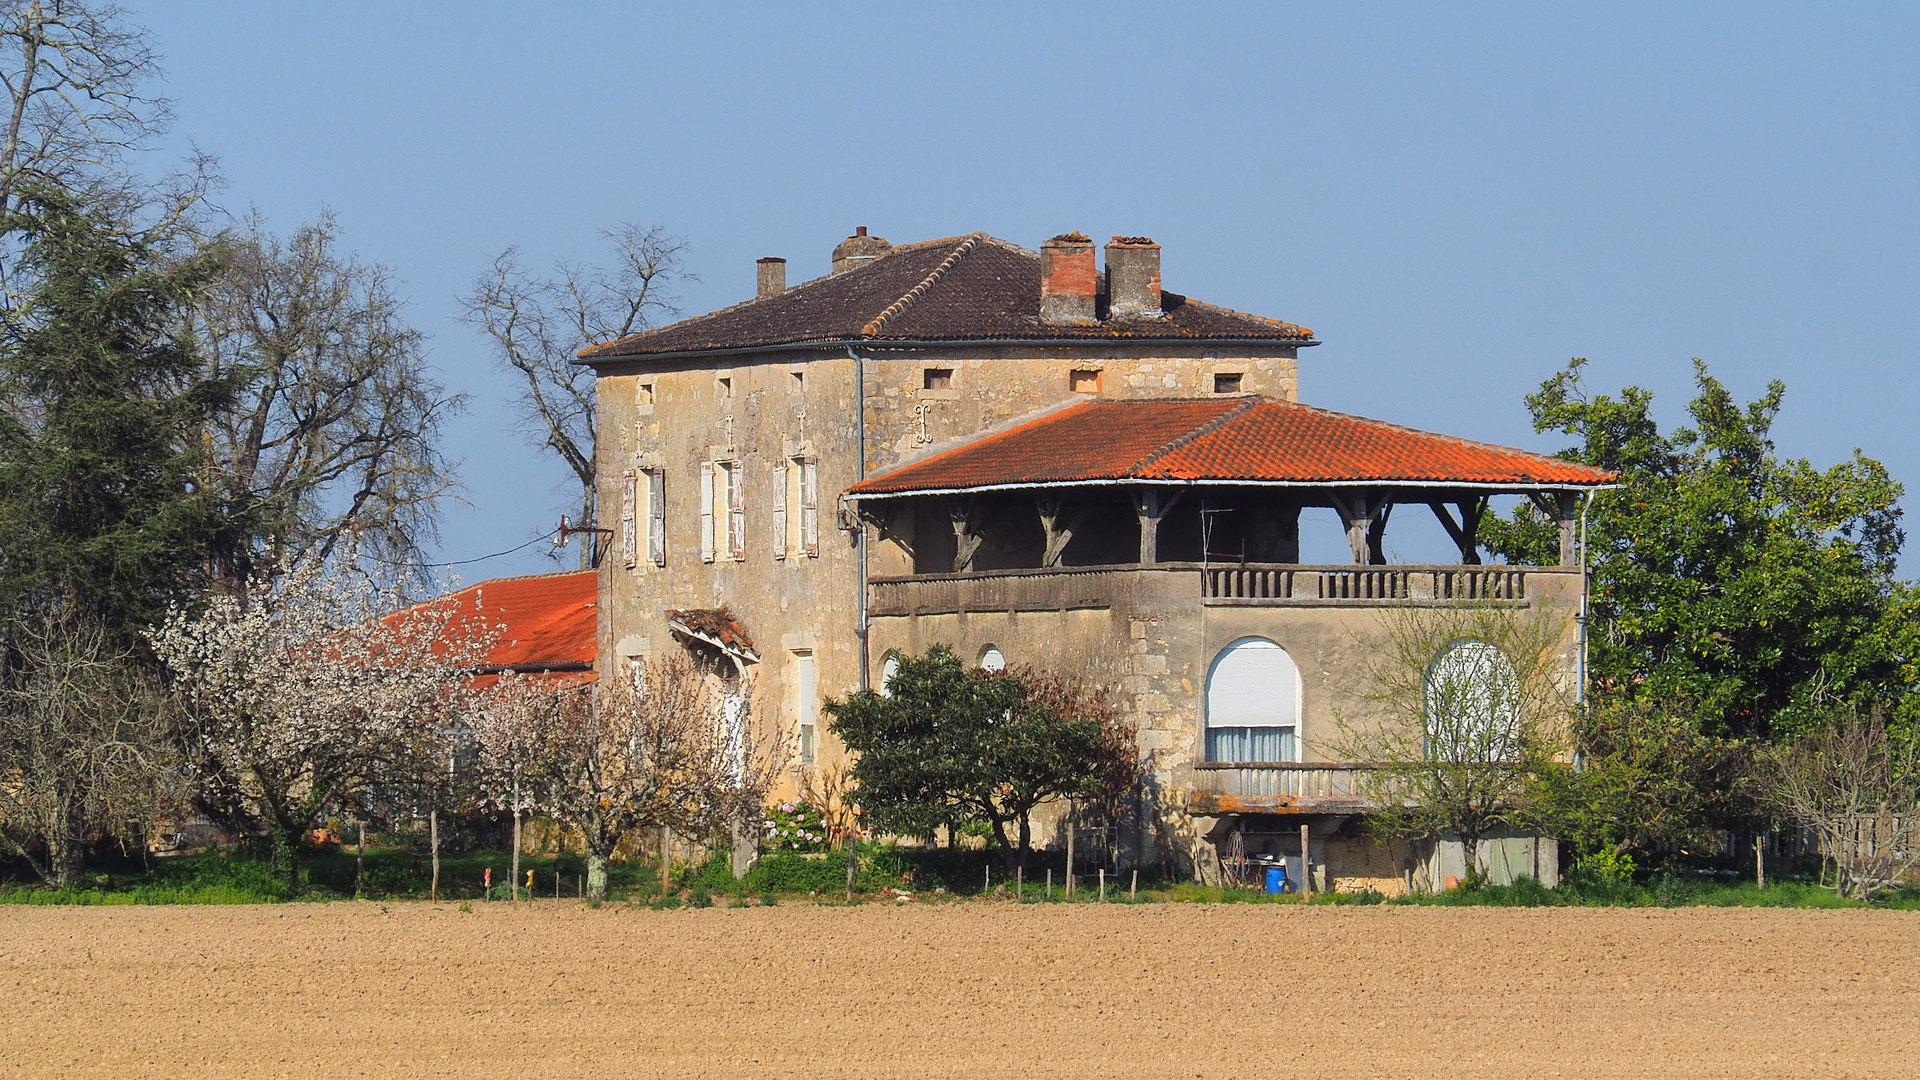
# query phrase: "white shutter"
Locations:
[[706, 511], [809, 508], [657, 516], [780, 509], [629, 541], [736, 511]]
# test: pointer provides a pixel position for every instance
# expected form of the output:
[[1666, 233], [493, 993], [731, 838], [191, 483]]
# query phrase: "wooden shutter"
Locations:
[[706, 511], [629, 495], [809, 508], [657, 516], [736, 511], [780, 509]]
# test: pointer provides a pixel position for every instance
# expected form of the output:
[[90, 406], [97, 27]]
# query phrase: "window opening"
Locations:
[[657, 516], [1253, 704], [807, 698], [1085, 382], [992, 659], [1472, 705], [936, 378], [1226, 382], [646, 394]]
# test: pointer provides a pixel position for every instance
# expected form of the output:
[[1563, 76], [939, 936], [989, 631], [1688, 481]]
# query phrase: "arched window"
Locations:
[[1472, 704], [992, 659], [888, 670], [1253, 703]]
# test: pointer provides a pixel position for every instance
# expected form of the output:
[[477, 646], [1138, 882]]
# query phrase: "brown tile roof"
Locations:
[[966, 288], [1222, 439], [716, 626]]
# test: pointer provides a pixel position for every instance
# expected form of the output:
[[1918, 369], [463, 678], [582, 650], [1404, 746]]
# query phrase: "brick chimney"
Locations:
[[858, 250], [1068, 279], [773, 276], [1133, 278]]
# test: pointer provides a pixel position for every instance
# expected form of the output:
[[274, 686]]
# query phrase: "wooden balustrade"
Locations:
[[1238, 787]]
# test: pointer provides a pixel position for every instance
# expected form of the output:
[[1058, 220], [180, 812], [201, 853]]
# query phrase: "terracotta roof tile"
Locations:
[[964, 288], [1218, 439], [546, 618]]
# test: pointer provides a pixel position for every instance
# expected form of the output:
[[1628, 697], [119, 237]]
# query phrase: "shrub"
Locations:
[[794, 826], [700, 898]]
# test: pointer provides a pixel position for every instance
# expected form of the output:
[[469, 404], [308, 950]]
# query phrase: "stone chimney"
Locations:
[[1068, 279], [858, 250], [773, 276], [1133, 278]]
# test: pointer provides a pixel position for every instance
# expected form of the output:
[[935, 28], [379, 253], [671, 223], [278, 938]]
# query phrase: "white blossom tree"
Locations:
[[668, 747], [304, 693]]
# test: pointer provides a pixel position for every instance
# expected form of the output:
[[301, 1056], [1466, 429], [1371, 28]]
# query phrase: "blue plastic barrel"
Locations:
[[1276, 879]]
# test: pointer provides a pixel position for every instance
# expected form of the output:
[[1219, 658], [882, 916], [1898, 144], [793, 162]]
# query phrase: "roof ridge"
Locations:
[[926, 283], [1239, 409], [1422, 432]]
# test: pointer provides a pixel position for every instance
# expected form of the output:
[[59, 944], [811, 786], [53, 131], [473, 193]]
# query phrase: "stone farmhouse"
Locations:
[[1034, 457]]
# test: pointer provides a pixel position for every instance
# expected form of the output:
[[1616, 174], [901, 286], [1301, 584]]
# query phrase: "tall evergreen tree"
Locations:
[[104, 503]]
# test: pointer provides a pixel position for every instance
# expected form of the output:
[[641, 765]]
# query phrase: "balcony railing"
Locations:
[[1366, 583], [1260, 584], [1266, 786]]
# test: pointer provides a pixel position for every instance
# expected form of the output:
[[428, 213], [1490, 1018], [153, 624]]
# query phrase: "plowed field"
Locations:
[[958, 990]]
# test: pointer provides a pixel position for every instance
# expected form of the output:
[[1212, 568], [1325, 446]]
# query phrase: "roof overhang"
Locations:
[[840, 344], [1503, 488], [735, 651]]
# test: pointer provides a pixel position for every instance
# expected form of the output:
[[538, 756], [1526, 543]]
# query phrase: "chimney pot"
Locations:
[[773, 276], [1133, 278], [1068, 279], [858, 250]]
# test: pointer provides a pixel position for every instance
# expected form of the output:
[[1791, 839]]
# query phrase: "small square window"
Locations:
[[936, 378], [1226, 382], [799, 381], [646, 393], [726, 389], [1085, 382]]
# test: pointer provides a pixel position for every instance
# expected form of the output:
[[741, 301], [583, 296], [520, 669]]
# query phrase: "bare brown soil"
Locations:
[[958, 990]]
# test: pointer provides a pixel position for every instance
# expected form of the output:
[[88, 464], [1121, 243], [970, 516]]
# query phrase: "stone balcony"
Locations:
[[1282, 787], [1217, 585]]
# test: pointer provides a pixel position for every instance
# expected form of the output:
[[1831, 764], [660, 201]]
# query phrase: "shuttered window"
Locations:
[[809, 508], [657, 516], [1253, 703], [629, 540], [706, 511], [780, 510], [736, 511]]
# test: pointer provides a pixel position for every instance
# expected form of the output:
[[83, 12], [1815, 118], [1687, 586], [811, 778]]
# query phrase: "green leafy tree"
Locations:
[[103, 499], [947, 743], [1747, 586], [1647, 780]]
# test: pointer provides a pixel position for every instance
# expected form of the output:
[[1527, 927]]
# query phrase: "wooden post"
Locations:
[[433, 841], [1049, 882], [988, 887], [1070, 831], [1306, 864], [1759, 860], [360, 859], [513, 879], [1134, 888], [666, 858], [1103, 884], [1019, 882]]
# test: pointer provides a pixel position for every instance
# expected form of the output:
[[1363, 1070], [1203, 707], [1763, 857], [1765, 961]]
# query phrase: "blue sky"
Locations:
[[1455, 201]]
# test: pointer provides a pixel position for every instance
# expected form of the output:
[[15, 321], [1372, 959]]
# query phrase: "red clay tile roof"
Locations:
[[966, 288], [717, 626], [1222, 439], [547, 619]]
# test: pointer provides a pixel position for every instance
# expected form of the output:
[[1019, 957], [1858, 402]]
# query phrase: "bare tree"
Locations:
[[539, 324], [1466, 706], [338, 423], [84, 744], [666, 749], [305, 692], [1858, 788], [75, 73]]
